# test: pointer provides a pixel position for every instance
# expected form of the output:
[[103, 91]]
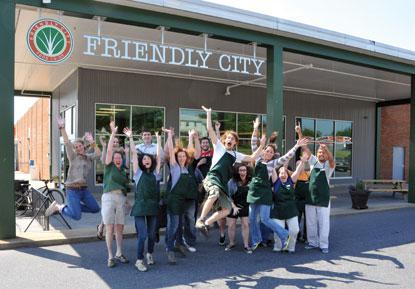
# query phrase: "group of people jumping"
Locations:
[[206, 185]]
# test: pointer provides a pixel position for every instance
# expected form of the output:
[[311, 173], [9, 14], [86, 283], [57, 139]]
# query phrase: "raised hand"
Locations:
[[60, 121], [298, 128], [128, 132], [302, 141], [256, 123], [88, 137], [113, 127], [158, 137], [165, 130], [206, 109]]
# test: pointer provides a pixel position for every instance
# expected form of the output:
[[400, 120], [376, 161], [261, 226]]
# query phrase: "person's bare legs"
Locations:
[[207, 206], [109, 231], [119, 228], [217, 216], [245, 231], [231, 222]]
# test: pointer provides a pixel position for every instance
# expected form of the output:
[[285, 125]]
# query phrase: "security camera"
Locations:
[[227, 92]]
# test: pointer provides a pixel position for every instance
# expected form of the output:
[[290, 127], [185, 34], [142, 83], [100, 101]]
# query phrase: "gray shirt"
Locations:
[[79, 165]]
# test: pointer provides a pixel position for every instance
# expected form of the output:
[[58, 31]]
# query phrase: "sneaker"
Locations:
[[248, 250], [171, 258], [150, 260], [229, 247], [52, 209], [276, 249], [139, 264], [100, 232], [325, 250], [111, 263], [181, 249], [286, 243], [255, 246], [121, 259], [222, 240], [309, 247], [189, 248]]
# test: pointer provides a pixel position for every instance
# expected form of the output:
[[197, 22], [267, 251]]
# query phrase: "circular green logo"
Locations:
[[50, 41]]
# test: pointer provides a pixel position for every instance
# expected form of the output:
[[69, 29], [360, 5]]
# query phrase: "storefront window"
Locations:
[[337, 135], [135, 117]]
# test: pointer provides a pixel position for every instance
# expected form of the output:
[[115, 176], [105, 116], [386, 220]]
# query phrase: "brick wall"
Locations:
[[35, 120], [394, 132]]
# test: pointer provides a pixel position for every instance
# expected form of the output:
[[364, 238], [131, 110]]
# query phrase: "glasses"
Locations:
[[242, 170]]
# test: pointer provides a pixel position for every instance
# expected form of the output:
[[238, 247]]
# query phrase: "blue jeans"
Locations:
[[145, 227], [266, 233], [77, 201], [173, 222], [187, 221], [263, 211]]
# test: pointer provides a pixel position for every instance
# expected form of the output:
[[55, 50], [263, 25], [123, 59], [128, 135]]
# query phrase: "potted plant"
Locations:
[[359, 196]]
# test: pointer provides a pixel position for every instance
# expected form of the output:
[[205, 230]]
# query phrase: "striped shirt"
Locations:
[[274, 163]]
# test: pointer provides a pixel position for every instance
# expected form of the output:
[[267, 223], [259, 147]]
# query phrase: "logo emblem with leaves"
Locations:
[[50, 41]]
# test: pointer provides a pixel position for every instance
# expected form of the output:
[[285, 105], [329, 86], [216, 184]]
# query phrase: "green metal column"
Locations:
[[275, 83], [7, 214], [378, 141], [411, 179]]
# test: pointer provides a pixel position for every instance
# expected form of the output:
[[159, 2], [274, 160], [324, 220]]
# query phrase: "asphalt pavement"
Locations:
[[372, 250]]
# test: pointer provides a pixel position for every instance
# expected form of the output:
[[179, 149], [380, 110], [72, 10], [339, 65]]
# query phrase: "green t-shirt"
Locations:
[[115, 179]]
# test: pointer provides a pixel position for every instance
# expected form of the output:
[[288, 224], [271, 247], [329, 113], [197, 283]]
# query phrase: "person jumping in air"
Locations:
[[220, 173]]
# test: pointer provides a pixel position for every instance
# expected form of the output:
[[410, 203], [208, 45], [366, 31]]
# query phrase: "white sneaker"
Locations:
[[150, 260], [140, 266], [189, 248], [52, 209], [276, 249]]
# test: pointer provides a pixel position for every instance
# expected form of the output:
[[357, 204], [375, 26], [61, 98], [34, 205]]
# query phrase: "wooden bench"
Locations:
[[394, 186]]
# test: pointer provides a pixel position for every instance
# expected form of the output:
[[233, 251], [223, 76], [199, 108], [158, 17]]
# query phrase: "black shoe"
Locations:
[[222, 240]]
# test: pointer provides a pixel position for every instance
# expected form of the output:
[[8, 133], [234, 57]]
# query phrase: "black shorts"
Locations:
[[243, 212]]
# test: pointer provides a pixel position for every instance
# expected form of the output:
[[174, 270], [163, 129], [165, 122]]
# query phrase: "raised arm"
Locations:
[[88, 138], [129, 134], [198, 150], [255, 134], [170, 146], [291, 153], [127, 156], [108, 158], [329, 155], [104, 148], [211, 132], [256, 154], [61, 126], [298, 130], [300, 168], [158, 153]]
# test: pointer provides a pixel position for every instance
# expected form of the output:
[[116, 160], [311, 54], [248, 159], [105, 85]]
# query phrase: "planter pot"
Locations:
[[359, 199]]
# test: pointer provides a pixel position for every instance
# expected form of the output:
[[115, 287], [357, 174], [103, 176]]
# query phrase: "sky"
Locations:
[[386, 21]]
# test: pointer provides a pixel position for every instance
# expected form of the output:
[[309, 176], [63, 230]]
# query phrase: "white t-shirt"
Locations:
[[315, 163], [219, 150]]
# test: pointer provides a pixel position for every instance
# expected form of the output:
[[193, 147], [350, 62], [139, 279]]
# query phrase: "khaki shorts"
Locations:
[[213, 191], [113, 208]]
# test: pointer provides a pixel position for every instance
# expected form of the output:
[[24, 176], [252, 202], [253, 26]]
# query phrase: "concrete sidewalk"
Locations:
[[85, 230]]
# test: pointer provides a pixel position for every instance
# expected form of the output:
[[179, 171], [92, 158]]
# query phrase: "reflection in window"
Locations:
[[337, 135], [135, 117]]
